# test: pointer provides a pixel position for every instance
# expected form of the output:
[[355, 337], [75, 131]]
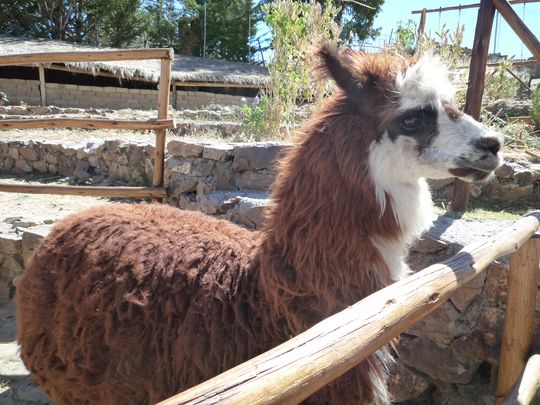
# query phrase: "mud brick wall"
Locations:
[[71, 95]]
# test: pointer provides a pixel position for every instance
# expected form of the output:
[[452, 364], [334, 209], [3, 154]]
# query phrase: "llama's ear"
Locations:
[[338, 67]]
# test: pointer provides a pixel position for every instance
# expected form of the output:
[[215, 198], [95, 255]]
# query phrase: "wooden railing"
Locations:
[[299, 367], [159, 125]]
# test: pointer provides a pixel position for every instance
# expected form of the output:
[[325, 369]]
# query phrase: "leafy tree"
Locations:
[[162, 19], [62, 20], [112, 23], [228, 25], [116, 23], [356, 17]]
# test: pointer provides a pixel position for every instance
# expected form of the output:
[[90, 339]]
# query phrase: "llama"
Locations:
[[134, 303]]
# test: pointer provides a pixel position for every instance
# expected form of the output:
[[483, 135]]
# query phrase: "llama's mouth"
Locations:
[[470, 174]]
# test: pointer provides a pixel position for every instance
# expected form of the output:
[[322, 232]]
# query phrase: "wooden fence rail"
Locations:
[[159, 125], [299, 367]]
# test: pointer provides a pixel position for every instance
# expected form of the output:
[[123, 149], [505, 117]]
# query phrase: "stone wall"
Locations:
[[70, 95], [93, 162]]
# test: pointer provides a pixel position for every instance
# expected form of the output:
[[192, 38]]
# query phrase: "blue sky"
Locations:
[[507, 42]]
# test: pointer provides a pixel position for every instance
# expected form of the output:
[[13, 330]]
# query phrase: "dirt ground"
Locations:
[[26, 210]]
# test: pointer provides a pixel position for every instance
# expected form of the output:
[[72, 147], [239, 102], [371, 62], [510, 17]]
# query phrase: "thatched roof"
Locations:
[[184, 68]]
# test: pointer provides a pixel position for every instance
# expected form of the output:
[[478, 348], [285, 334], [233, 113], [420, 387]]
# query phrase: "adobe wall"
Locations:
[[70, 95]]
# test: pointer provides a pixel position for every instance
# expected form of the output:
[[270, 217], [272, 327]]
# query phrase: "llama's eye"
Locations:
[[412, 121]]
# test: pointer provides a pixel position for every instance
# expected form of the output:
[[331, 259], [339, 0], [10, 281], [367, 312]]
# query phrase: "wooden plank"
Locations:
[[95, 191], [42, 88], [475, 89], [519, 27], [91, 123], [466, 6], [90, 56], [527, 384], [524, 85], [299, 367], [220, 84], [163, 110], [519, 319], [421, 27]]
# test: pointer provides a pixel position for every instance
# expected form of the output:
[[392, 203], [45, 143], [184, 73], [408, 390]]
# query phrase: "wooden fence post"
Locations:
[[163, 110], [42, 86], [519, 319], [421, 27], [475, 88]]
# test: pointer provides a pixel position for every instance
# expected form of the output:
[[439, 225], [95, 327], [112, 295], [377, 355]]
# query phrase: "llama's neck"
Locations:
[[411, 202], [330, 242]]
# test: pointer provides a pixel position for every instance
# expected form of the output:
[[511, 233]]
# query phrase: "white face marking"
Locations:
[[400, 161]]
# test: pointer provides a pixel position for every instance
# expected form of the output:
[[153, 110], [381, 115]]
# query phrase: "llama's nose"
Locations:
[[489, 144]]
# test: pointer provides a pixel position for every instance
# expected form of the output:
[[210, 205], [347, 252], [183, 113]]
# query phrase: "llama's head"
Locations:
[[418, 132]]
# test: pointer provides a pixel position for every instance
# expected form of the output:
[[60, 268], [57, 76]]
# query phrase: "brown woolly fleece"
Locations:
[[130, 304]]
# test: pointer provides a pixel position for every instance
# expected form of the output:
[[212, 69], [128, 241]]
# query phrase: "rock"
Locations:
[[438, 184], [23, 165], [496, 288], [13, 153], [405, 383], [446, 323], [203, 188], [249, 212], [29, 154], [10, 244], [32, 236], [466, 294], [437, 361], [202, 168], [256, 157], [523, 177], [507, 191], [255, 180], [428, 244], [9, 163], [40, 166], [11, 266], [505, 171], [240, 164], [217, 152], [179, 166], [4, 295], [224, 179], [181, 185], [184, 149]]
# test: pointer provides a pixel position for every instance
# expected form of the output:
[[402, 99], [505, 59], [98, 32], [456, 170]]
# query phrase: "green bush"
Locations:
[[535, 108], [296, 28]]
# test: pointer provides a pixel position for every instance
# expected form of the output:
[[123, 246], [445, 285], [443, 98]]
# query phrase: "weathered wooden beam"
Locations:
[[42, 88], [218, 84], [163, 110], [90, 123], [299, 367], [466, 6], [475, 88], [90, 56], [519, 318], [527, 384], [519, 27], [521, 82], [421, 27], [95, 191]]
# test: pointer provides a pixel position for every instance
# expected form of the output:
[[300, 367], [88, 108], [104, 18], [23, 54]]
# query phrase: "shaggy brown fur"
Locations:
[[133, 303]]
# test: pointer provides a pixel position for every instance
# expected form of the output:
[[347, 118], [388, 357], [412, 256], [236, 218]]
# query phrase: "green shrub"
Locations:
[[296, 28], [535, 108]]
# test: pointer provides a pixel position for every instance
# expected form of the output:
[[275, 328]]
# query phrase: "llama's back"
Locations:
[[120, 301]]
